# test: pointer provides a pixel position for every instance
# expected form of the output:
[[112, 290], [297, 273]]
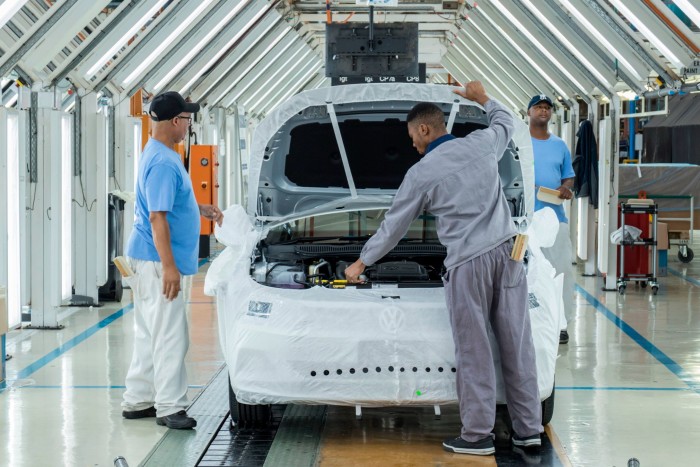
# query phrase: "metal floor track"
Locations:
[[293, 439], [185, 447]]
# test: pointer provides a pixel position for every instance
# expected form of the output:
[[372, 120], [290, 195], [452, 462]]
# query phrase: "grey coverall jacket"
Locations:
[[458, 182]]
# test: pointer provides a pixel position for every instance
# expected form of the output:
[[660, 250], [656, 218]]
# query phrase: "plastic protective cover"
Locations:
[[375, 92], [369, 347]]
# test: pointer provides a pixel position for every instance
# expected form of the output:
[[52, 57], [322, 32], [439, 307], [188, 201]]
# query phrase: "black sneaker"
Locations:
[[135, 414], [564, 337], [483, 447], [177, 421], [533, 441]]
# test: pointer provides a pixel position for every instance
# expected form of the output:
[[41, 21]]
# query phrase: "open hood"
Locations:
[[347, 148]]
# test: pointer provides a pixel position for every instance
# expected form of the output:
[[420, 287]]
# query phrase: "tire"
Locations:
[[548, 409], [687, 258], [233, 407], [248, 416], [504, 424]]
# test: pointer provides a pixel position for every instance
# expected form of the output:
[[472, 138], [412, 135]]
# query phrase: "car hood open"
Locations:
[[347, 148]]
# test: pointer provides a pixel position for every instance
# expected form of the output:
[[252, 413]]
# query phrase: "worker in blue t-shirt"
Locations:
[[553, 170], [162, 248]]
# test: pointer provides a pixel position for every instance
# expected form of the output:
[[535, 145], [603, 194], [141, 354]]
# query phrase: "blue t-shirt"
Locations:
[[552, 165], [164, 185]]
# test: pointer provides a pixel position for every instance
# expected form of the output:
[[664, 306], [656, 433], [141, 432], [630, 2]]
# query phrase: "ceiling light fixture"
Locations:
[[486, 78], [601, 38], [270, 61], [690, 11], [562, 38], [255, 62], [641, 27], [158, 51], [537, 44], [9, 8], [107, 56], [225, 49], [284, 66], [181, 62], [532, 62]]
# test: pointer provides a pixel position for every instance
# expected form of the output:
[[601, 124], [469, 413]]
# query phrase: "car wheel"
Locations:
[[503, 427], [548, 409], [687, 257], [248, 416]]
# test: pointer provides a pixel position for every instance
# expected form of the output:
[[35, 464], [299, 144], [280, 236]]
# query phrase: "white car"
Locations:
[[324, 168]]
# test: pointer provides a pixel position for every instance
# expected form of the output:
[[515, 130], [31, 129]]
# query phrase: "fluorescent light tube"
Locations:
[[690, 10], [107, 56], [600, 38], [537, 44], [641, 27], [181, 62], [250, 67], [532, 62], [554, 30], [158, 51], [225, 48], [8, 10]]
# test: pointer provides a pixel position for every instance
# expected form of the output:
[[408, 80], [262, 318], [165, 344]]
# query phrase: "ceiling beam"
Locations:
[[23, 46], [132, 50], [605, 88], [94, 40], [178, 45], [221, 44], [629, 40], [591, 44]]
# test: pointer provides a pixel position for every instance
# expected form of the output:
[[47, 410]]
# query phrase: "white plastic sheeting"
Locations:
[[378, 92], [372, 347]]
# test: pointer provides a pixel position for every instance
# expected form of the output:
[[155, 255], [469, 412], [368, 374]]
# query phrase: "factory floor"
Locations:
[[627, 386]]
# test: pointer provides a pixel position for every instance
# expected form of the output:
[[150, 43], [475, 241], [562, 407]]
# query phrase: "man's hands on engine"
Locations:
[[353, 272]]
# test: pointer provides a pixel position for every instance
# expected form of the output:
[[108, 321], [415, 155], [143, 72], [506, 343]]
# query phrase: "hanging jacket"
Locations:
[[586, 164]]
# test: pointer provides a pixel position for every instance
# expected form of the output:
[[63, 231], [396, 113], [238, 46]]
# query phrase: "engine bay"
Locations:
[[303, 265]]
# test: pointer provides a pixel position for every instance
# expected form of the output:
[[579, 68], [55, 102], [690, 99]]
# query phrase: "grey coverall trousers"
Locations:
[[492, 288]]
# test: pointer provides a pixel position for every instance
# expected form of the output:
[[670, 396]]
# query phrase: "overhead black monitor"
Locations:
[[358, 49]]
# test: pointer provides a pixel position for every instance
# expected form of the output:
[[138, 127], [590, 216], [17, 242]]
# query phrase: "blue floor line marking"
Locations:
[[614, 388], [60, 350], [45, 386], [692, 280], [57, 352], [664, 359]]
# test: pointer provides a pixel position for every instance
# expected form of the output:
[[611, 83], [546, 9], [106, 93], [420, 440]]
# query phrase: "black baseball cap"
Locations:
[[169, 105], [539, 98]]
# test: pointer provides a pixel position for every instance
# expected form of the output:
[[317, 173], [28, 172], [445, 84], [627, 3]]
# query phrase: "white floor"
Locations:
[[62, 407], [628, 382]]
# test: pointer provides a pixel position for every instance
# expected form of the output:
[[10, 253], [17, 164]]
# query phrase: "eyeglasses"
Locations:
[[182, 117]]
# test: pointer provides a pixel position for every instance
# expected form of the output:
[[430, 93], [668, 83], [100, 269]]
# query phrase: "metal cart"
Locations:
[[685, 254], [643, 279]]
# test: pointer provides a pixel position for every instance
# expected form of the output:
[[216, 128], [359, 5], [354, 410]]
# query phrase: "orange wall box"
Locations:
[[203, 172]]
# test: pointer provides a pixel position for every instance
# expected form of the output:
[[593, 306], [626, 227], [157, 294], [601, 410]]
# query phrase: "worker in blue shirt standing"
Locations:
[[553, 170], [162, 248]]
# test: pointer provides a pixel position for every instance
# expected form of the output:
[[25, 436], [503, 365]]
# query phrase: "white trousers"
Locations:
[[157, 375], [559, 255]]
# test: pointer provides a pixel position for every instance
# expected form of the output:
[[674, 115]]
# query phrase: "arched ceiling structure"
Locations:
[[256, 53]]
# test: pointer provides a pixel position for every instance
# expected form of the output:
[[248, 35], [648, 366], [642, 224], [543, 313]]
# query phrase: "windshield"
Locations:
[[348, 226]]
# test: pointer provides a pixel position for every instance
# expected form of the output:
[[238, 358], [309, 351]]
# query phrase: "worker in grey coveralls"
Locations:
[[458, 182]]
